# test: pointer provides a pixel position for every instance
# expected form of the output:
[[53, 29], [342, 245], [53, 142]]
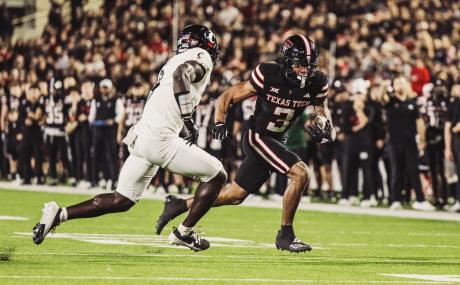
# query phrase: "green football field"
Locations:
[[122, 248]]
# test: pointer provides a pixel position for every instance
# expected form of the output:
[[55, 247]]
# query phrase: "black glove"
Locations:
[[192, 130], [318, 134], [220, 132]]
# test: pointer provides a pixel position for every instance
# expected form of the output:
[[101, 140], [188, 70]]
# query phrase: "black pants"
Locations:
[[58, 147], [435, 154], [31, 145], [358, 153], [83, 164], [456, 150], [104, 149], [404, 161]]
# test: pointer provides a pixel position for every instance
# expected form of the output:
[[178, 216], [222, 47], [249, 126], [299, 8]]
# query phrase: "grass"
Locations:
[[348, 249]]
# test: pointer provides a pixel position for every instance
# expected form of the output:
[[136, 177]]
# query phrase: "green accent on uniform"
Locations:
[[347, 249], [296, 134]]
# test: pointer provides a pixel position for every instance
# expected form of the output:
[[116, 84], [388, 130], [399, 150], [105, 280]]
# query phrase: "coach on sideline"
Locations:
[[106, 110]]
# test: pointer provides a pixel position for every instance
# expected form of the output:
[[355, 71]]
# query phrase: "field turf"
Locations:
[[122, 248]]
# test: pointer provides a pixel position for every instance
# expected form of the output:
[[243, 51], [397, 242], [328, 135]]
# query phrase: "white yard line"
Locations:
[[437, 278], [248, 280], [441, 216], [303, 257], [13, 218]]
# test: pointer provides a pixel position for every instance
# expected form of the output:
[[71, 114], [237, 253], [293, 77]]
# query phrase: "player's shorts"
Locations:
[[264, 155], [147, 154]]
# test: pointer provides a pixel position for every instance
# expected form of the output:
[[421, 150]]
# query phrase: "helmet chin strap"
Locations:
[[303, 80]]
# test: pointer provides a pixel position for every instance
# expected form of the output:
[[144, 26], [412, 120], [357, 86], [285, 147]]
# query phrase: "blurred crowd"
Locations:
[[69, 96]]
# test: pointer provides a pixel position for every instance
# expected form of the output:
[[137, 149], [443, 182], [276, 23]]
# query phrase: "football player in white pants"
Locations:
[[158, 141]]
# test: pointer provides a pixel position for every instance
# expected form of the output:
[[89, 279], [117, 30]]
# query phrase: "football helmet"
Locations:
[[298, 53], [198, 36]]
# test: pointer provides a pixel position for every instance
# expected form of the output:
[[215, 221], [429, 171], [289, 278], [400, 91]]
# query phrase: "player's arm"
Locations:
[[4, 115], [187, 73], [421, 131], [232, 95]]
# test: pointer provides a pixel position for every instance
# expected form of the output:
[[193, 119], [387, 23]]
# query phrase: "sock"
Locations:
[[63, 215], [183, 230], [287, 230]]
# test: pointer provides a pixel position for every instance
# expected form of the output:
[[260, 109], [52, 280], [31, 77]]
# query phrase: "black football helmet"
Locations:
[[198, 36], [298, 50]]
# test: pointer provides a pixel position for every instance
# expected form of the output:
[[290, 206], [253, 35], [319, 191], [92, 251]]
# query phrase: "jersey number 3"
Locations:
[[281, 123]]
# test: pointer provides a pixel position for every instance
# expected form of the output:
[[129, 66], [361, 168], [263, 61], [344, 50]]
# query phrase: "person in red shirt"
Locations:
[[420, 75]]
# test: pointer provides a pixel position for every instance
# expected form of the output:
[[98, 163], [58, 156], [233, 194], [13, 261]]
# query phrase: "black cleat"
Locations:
[[48, 222], [173, 207], [292, 244], [192, 241]]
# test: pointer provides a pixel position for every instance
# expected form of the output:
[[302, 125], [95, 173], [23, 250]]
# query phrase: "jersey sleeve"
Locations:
[[257, 78], [202, 57], [321, 89]]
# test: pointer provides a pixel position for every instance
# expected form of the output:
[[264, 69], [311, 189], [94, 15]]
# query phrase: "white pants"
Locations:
[[173, 154]]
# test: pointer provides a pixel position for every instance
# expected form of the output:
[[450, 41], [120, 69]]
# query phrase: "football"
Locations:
[[321, 121]]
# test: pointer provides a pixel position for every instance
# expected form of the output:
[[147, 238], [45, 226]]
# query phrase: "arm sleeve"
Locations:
[[322, 89], [119, 110], [202, 57], [92, 111]]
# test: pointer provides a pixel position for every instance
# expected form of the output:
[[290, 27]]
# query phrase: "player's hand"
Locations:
[[220, 132], [192, 130], [321, 134]]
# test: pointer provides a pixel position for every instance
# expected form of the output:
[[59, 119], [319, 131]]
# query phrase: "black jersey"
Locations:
[[279, 103], [133, 107], [13, 104], [57, 112], [27, 107]]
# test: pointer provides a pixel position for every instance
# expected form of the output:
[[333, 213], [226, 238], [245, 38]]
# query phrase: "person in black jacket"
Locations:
[[103, 114], [404, 123], [31, 115], [359, 150], [452, 138]]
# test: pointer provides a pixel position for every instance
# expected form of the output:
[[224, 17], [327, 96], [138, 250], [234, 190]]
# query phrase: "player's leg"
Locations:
[[134, 178], [191, 161], [249, 178], [283, 161]]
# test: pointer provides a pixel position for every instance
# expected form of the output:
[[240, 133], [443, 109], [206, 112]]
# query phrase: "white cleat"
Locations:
[[423, 206], [372, 202], [455, 208], [344, 202], [396, 206], [365, 203], [48, 221], [353, 200]]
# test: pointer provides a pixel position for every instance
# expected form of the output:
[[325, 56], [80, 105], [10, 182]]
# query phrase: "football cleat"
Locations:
[[192, 241], [173, 207], [292, 244], [48, 222]]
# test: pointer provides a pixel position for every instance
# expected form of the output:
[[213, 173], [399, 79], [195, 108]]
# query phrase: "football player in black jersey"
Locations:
[[284, 89], [57, 117]]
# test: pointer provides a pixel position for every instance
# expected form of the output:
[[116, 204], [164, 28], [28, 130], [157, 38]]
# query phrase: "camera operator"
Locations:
[[404, 123]]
